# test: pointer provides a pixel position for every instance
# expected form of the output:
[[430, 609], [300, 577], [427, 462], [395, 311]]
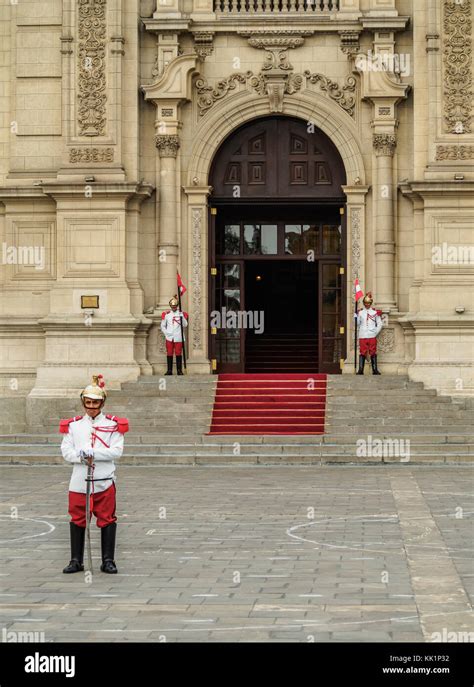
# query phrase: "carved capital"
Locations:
[[385, 144], [167, 146]]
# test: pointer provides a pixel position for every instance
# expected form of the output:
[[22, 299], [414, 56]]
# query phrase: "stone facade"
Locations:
[[111, 114]]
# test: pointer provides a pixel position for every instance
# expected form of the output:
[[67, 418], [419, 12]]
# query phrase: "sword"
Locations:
[[90, 473]]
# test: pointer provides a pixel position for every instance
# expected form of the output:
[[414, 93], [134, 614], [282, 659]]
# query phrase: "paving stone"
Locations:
[[298, 576]]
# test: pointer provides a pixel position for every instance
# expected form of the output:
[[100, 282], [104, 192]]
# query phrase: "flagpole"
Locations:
[[182, 329], [355, 337]]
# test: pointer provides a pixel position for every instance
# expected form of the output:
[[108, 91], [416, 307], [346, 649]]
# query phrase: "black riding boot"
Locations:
[[77, 549], [361, 364], [107, 535], [169, 360], [179, 364], [373, 360]]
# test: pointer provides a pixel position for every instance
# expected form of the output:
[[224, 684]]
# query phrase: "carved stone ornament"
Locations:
[[385, 144], [457, 55], [77, 155], [349, 42], [203, 44], [386, 340], [289, 83], [168, 146], [355, 243], [196, 278], [91, 88], [455, 153]]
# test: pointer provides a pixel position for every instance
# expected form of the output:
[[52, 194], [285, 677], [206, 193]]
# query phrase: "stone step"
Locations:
[[202, 449], [257, 458], [136, 438]]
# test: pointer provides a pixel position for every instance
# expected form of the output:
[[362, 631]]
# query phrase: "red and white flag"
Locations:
[[181, 286], [358, 291]]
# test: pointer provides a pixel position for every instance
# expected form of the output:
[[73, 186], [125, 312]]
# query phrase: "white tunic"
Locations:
[[171, 325], [80, 436], [369, 323]]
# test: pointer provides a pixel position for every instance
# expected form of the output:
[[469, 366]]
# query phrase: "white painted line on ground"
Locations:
[[28, 536]]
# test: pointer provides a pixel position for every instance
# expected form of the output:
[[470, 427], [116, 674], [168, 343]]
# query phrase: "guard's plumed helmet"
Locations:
[[368, 298], [96, 390], [174, 302]]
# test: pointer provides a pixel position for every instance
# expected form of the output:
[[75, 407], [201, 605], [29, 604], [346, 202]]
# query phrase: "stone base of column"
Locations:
[[75, 352], [199, 366]]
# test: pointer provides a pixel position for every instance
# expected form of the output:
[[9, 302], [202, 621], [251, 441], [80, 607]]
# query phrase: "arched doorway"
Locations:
[[277, 250]]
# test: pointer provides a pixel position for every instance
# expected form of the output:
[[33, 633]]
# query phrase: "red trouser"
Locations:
[[102, 506], [368, 346], [174, 347]]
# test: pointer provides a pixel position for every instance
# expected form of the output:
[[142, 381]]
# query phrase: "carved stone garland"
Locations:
[[91, 91], [458, 92], [344, 95]]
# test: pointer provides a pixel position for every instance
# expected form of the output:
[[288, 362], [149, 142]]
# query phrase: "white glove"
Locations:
[[85, 454]]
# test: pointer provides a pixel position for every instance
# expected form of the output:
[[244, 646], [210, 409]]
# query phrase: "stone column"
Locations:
[[198, 271], [168, 146], [355, 249], [384, 145]]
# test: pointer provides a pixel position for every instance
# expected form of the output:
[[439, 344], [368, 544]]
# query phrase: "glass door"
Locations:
[[227, 333], [331, 318]]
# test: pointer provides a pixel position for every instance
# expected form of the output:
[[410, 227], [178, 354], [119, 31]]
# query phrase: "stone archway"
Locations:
[[224, 119]]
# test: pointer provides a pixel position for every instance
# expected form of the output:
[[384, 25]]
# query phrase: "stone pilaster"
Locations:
[[168, 147], [198, 270], [384, 146]]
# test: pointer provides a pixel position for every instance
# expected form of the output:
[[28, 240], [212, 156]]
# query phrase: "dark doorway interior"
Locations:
[[286, 292]]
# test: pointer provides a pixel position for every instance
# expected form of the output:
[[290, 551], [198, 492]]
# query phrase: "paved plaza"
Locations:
[[248, 554]]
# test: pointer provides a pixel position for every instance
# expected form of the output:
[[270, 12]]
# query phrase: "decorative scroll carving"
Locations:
[[208, 95], [91, 155], [385, 144], [386, 340], [91, 91], [276, 50], [168, 146], [455, 153], [196, 278], [343, 95], [458, 92]]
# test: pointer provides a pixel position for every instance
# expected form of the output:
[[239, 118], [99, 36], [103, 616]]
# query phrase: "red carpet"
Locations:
[[293, 403]]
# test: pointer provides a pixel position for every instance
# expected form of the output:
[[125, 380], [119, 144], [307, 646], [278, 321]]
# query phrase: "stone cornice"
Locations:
[[438, 321], [259, 23], [424, 189]]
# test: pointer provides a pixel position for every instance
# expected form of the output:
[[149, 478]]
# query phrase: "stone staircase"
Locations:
[[370, 420]]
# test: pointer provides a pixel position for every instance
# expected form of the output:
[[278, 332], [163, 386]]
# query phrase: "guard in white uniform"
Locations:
[[172, 323], [93, 439], [369, 324]]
